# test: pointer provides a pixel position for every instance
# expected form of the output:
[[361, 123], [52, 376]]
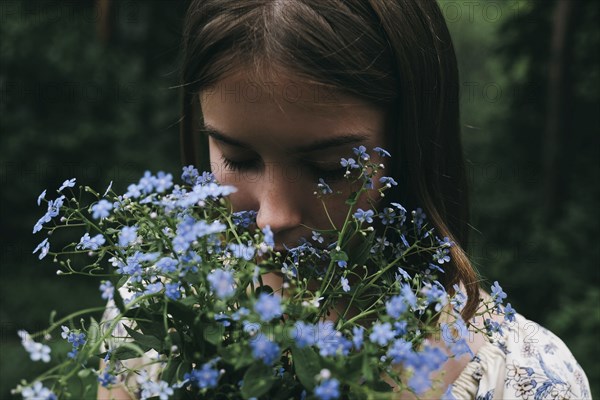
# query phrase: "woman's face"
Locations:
[[274, 139]]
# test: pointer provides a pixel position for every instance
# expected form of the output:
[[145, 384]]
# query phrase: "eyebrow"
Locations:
[[339, 140]]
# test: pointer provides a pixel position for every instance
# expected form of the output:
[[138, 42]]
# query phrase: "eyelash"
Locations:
[[331, 175]]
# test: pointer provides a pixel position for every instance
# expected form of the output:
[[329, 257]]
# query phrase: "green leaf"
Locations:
[[306, 365], [237, 355], [213, 334], [257, 380], [169, 373], [93, 331], [367, 369], [124, 352], [146, 342], [360, 253]]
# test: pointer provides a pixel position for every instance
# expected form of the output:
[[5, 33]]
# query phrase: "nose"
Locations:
[[279, 205]]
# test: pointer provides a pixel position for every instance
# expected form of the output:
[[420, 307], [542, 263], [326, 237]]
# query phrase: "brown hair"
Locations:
[[397, 54]]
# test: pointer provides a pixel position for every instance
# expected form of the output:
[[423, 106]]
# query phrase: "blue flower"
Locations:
[[387, 181], [402, 274], [382, 333], [509, 313], [442, 255], [206, 178], [418, 217], [76, 339], [37, 351], [268, 233], [349, 163], [241, 251], [268, 307], [153, 288], [88, 243], [330, 341], [342, 263], [108, 188], [133, 191], [41, 197], [68, 183], [163, 182], [127, 235], [419, 382], [317, 237], [358, 336], [222, 283], [241, 312], [101, 209], [400, 351], [324, 187], [189, 174], [265, 350], [498, 294], [205, 378], [106, 379], [409, 295], [289, 271], [362, 216], [244, 219], [37, 392], [167, 265], [345, 285], [146, 183], [446, 242], [387, 216], [361, 152], [436, 294], [44, 246], [492, 327], [53, 210], [396, 306], [107, 289], [305, 334], [329, 389], [381, 152], [400, 327], [172, 291]]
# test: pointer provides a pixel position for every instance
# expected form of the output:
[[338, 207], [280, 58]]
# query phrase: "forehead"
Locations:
[[284, 106]]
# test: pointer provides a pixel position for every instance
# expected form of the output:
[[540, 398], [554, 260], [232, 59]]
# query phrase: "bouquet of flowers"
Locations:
[[357, 301]]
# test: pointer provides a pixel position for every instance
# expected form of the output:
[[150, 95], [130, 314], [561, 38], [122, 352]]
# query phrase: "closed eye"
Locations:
[[331, 173], [245, 165]]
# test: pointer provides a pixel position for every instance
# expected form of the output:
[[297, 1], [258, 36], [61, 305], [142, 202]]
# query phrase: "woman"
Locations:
[[275, 92]]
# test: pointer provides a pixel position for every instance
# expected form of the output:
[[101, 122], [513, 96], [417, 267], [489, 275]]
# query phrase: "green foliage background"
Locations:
[[72, 105]]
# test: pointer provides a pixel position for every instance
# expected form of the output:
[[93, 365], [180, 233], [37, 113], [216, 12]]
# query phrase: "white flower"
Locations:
[[37, 392], [65, 332], [37, 351]]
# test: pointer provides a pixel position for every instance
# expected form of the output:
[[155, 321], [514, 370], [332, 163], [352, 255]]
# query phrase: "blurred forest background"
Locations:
[[86, 91]]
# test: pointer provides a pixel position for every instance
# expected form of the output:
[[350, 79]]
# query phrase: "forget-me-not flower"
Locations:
[[101, 209], [268, 307], [329, 389], [382, 333], [222, 283], [264, 349], [67, 184], [127, 235], [44, 246]]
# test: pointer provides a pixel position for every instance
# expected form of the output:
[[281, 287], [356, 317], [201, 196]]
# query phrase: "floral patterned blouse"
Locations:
[[525, 361]]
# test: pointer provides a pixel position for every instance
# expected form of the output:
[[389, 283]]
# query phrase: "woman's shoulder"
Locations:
[[523, 360]]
